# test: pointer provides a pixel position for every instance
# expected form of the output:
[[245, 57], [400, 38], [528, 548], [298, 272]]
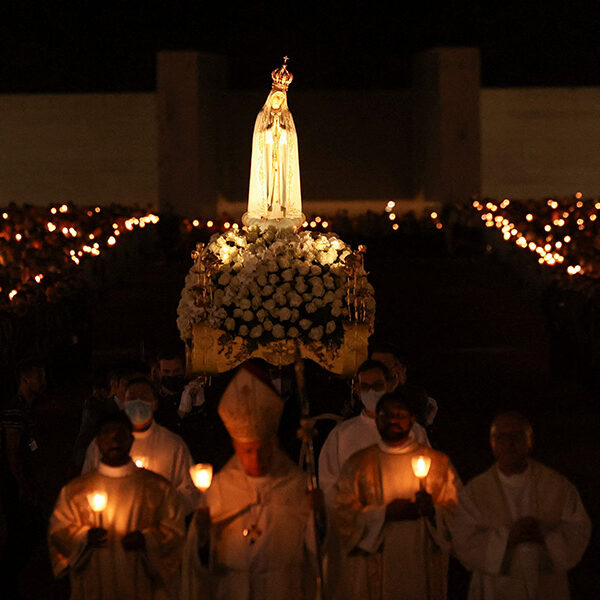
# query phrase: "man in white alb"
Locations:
[[520, 526], [154, 447], [394, 533], [132, 548]]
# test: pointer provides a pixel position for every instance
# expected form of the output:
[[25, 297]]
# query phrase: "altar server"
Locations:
[[132, 547], [154, 447], [352, 435], [520, 526], [254, 539], [395, 538]]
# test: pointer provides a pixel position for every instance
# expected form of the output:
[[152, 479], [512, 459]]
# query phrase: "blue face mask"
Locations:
[[139, 411]]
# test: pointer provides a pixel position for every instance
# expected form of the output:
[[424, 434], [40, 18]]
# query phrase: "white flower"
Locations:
[[272, 266], [243, 330], [294, 299], [336, 311], [278, 331], [318, 291], [261, 313], [285, 313], [224, 279], [268, 325], [284, 262], [328, 281], [229, 324], [256, 302], [237, 312], [301, 287], [304, 269], [279, 298], [269, 304], [315, 270], [245, 304], [273, 279], [261, 280], [248, 315], [256, 331], [287, 275], [295, 315], [267, 290], [305, 324], [293, 332], [316, 333], [329, 297], [330, 327], [311, 307]]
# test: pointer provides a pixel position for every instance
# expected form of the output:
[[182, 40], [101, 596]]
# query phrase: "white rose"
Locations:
[[273, 279], [224, 279], [248, 315], [261, 280], [243, 330], [237, 312], [336, 311], [315, 270], [279, 298], [229, 324], [305, 324], [301, 287], [284, 262], [269, 304], [267, 290], [278, 331], [268, 325], [285, 313], [293, 332], [285, 287], [287, 275], [245, 304], [295, 315], [307, 297], [272, 266], [256, 331], [328, 281], [316, 333], [303, 269], [261, 314], [318, 303], [294, 299], [329, 297], [256, 302], [311, 307], [330, 327], [318, 290]]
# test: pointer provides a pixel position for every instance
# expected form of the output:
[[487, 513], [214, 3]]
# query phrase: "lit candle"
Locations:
[[420, 466], [97, 501], [141, 462], [201, 475]]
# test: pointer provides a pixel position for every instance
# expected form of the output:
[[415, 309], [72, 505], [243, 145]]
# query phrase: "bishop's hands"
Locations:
[[401, 509], [96, 537], [525, 530]]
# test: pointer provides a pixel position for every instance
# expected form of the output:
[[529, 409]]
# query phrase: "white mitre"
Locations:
[[250, 407]]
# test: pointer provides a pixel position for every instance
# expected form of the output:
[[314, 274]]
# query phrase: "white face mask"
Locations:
[[139, 411], [370, 399]]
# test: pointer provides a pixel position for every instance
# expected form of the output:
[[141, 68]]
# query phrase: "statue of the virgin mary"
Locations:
[[274, 196]]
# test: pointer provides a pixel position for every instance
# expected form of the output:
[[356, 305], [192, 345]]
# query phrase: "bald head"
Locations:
[[511, 438]]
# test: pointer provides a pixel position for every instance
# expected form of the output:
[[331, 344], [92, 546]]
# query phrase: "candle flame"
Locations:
[[201, 475], [97, 501], [421, 466], [141, 462]]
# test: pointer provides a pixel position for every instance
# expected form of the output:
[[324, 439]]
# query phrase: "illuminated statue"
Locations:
[[274, 196]]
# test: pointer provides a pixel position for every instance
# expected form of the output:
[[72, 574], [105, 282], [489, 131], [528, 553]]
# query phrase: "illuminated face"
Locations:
[[277, 99], [395, 367], [394, 422], [511, 442], [256, 456], [114, 442]]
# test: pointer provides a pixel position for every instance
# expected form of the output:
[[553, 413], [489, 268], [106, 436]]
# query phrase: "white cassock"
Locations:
[[349, 437], [163, 452], [274, 512], [404, 559], [136, 500], [490, 504]]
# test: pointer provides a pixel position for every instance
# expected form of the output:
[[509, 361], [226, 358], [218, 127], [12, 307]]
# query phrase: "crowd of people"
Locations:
[[133, 524]]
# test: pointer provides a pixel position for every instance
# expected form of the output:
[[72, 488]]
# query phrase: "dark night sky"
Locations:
[[93, 46]]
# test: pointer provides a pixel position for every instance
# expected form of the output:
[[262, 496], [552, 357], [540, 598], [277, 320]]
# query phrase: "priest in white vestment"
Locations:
[[352, 435], [154, 447], [254, 539], [395, 537], [131, 550], [520, 526]]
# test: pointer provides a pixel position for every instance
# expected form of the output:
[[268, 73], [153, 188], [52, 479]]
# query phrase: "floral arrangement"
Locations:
[[273, 284]]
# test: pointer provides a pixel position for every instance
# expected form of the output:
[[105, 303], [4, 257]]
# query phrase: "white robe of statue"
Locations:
[[405, 559], [490, 504], [136, 500], [349, 437], [163, 452], [280, 564], [274, 195]]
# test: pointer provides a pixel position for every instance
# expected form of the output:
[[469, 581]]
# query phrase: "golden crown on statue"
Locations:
[[282, 77]]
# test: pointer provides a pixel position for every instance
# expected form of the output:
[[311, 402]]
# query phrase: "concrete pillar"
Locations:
[[190, 90], [446, 128]]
